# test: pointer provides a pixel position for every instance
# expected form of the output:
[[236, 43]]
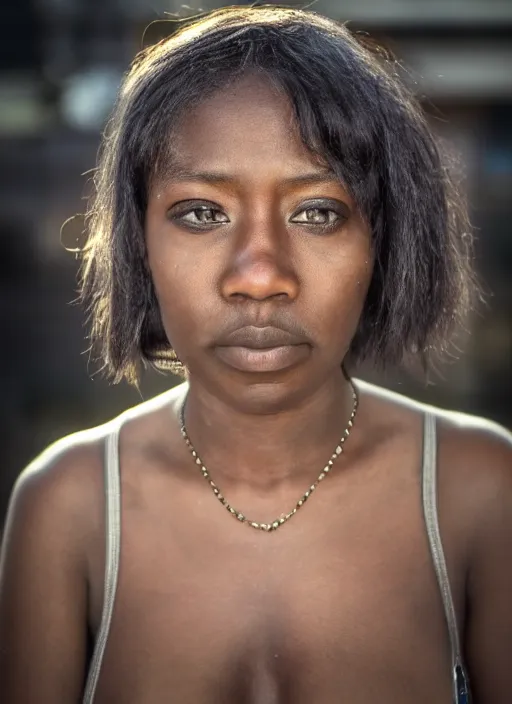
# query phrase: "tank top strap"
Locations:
[[430, 510], [112, 485]]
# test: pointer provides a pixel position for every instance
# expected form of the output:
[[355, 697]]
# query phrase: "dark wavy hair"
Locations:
[[352, 111]]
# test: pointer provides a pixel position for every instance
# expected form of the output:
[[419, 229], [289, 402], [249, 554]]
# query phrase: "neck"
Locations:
[[265, 450]]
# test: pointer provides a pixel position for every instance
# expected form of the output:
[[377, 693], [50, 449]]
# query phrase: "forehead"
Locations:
[[249, 125]]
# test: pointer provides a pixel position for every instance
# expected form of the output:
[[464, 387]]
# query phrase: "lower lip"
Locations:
[[272, 359]]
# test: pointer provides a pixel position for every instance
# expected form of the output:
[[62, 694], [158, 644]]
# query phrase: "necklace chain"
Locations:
[[278, 522]]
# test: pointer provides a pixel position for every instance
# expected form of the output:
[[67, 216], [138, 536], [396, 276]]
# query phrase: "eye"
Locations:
[[321, 217], [199, 217]]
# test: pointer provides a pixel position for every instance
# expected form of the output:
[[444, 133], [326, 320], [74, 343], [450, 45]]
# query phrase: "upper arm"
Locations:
[[43, 583], [489, 587]]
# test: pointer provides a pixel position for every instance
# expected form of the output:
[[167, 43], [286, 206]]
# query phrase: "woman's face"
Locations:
[[260, 260]]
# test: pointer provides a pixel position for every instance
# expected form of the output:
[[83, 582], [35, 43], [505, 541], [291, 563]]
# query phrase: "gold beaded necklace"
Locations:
[[284, 517]]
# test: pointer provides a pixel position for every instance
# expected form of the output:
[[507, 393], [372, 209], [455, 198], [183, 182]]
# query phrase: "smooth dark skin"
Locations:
[[340, 604]]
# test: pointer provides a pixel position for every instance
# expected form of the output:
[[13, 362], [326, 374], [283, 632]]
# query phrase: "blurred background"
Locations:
[[61, 62]]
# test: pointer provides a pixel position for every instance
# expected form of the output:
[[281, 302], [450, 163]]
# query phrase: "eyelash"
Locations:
[[178, 217]]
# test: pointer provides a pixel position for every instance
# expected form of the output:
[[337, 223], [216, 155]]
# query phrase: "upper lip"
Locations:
[[260, 338]]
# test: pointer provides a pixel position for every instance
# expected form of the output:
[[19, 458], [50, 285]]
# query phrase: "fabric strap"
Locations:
[[112, 553], [429, 491]]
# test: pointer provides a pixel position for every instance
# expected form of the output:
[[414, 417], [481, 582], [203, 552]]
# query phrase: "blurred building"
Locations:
[[60, 64]]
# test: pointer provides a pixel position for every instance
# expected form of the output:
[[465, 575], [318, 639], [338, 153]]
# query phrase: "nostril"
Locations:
[[260, 280]]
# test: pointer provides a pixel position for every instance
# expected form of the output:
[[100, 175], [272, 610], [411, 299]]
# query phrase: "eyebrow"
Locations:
[[178, 173]]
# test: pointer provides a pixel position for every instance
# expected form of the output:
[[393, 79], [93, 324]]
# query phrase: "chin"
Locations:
[[268, 393]]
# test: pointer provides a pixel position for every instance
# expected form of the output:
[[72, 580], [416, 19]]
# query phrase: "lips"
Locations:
[[260, 338], [262, 349]]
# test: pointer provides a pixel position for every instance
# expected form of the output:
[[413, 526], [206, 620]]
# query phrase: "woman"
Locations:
[[270, 210]]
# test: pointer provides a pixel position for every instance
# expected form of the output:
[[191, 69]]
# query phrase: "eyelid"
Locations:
[[325, 204], [193, 204]]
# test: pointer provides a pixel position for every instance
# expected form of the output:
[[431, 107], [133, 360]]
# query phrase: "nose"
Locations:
[[261, 268]]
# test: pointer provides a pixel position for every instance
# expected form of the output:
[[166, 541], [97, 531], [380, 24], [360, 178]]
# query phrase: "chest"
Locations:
[[342, 601]]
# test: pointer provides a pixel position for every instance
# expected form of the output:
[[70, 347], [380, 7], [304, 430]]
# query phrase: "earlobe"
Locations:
[[164, 358], [155, 347]]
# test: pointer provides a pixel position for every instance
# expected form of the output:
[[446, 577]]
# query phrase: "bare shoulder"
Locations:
[[474, 459], [472, 441], [65, 481], [478, 446], [60, 486]]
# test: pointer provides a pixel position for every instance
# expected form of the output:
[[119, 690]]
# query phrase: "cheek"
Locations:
[[359, 266], [183, 291], [168, 271], [178, 271], [339, 296], [166, 276], [364, 276], [347, 277]]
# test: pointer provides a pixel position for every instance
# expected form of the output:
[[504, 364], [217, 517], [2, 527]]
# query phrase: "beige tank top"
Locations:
[[461, 694]]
